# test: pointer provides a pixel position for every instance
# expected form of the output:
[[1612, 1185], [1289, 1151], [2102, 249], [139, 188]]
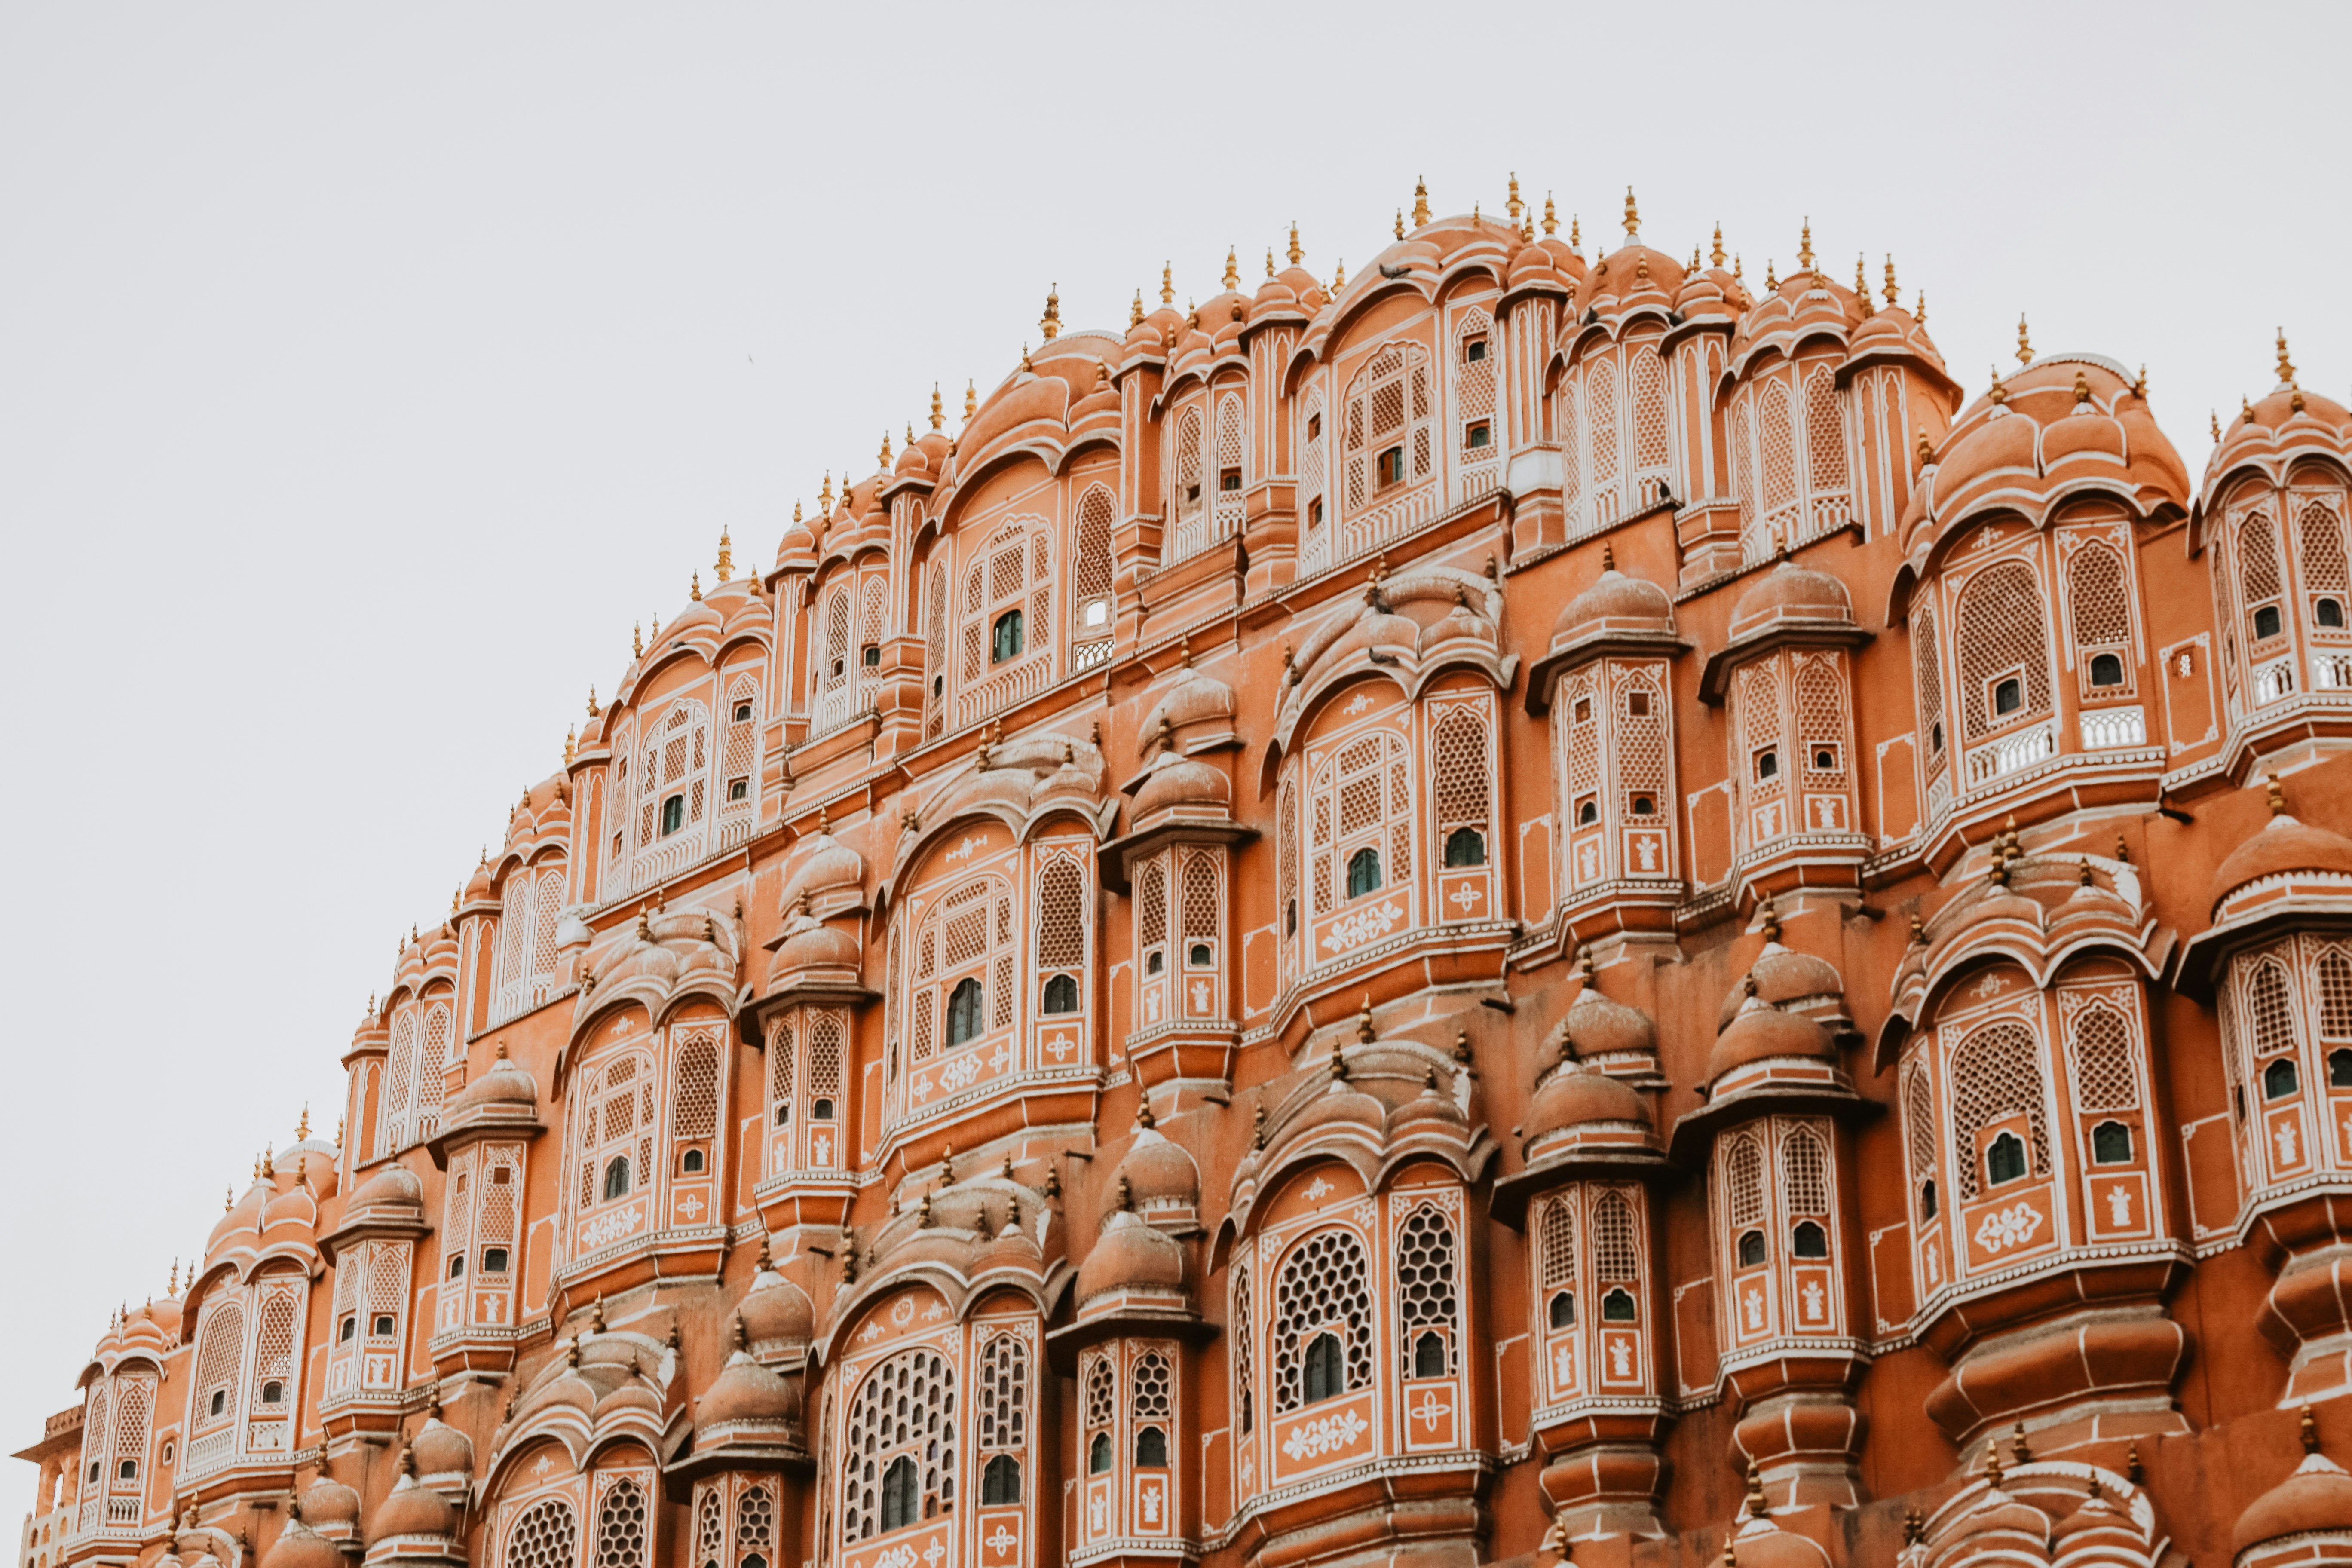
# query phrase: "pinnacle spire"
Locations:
[[1716, 255], [1551, 216], [1514, 205], [1233, 270], [1051, 323], [1297, 255], [1633, 219], [1420, 202], [2024, 343], [1893, 294], [1168, 283], [725, 569], [1805, 248], [2286, 365]]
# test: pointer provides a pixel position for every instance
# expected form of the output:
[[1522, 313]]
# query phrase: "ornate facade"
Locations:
[[1537, 905]]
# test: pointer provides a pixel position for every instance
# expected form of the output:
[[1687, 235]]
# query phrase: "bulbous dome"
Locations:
[[1760, 1033], [1157, 1173], [1184, 783], [1762, 1544], [413, 1509], [1792, 592], [1595, 1025], [817, 945], [393, 1184], [506, 1084], [1782, 975], [441, 1449], [2316, 1499], [2284, 847], [746, 1391], [330, 1503], [300, 1546], [776, 1310], [1614, 604], [1130, 1254], [1576, 1095]]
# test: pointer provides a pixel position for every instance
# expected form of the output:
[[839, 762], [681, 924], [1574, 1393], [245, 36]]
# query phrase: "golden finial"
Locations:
[[693, 589], [2216, 420], [1339, 274], [1861, 287], [1632, 217], [1998, 393], [1233, 269], [228, 1199], [1050, 323], [1737, 275], [1927, 448], [1772, 919], [1551, 216], [2286, 365], [1716, 255], [2024, 343], [2017, 1443], [638, 638], [1515, 205], [1364, 1023], [883, 457], [937, 419], [1168, 283], [593, 711], [970, 400], [570, 750], [1025, 359], [1893, 294], [1473, 212], [2140, 384], [1918, 931], [1135, 311], [1642, 267], [1919, 309], [1400, 223], [1693, 266], [1420, 202], [1805, 248], [725, 570], [1269, 261], [2277, 796], [1756, 1507], [1297, 255], [2081, 386], [2308, 1428], [825, 494]]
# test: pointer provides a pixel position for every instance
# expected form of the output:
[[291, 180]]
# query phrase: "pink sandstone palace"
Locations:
[[1539, 904]]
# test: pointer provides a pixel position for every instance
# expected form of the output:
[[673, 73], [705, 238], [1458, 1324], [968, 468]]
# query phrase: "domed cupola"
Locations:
[[505, 1095], [2312, 1508], [444, 1456], [389, 1203], [2271, 432], [749, 1418], [1789, 606], [2287, 860], [1603, 1033], [1160, 1182], [1177, 788], [414, 1523], [667, 954], [1786, 978], [331, 1508], [778, 1322], [814, 961], [1196, 714], [1616, 613], [300, 1546]]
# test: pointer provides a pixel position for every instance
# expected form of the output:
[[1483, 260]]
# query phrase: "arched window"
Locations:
[[1151, 1404], [1226, 511], [755, 1527], [1460, 784], [1387, 425], [1996, 1074], [963, 1011], [2279, 1078], [2326, 577], [1743, 1197], [1000, 1428], [1001, 1481], [1186, 468], [219, 1359], [1556, 1262], [1061, 994], [694, 1094], [2269, 1009], [1361, 800], [2100, 605], [2005, 1158], [1777, 443], [616, 1127], [1090, 584], [1098, 1455], [1825, 465], [1927, 671], [2111, 1143], [622, 1520], [1466, 846], [1363, 872], [616, 1177], [904, 1414], [1571, 456], [2003, 649], [1245, 1354], [544, 1537], [1324, 1379], [2258, 570], [1323, 1292], [1428, 1295]]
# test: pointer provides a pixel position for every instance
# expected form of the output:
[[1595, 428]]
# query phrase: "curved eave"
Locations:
[[1063, 1344], [2040, 953], [1686, 1146], [1788, 340], [1544, 672], [962, 1293], [2203, 955], [376, 1225], [2271, 463], [1512, 1193], [1715, 676], [1924, 364], [658, 999], [500, 1121], [1119, 854]]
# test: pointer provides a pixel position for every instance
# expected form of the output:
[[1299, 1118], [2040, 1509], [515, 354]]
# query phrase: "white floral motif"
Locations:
[[960, 1072], [900, 1556], [1464, 897], [1327, 1435], [614, 1224], [1003, 1541], [964, 851], [1316, 1190], [1362, 926], [2119, 1204], [2012, 1227]]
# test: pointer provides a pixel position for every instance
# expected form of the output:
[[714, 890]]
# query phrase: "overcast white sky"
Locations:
[[366, 371]]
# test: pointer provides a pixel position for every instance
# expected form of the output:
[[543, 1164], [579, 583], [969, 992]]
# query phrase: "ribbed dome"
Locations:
[[329, 1502], [1783, 975], [1130, 1254], [1792, 592], [413, 1509], [746, 1391], [506, 1084], [2284, 846], [1615, 603], [441, 1449], [1595, 1026], [300, 1546], [2316, 1499], [392, 1186], [1577, 1096], [1184, 783], [1761, 1032], [1157, 1173]]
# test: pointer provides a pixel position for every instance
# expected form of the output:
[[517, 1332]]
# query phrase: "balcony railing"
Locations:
[[2273, 680], [2011, 754], [2331, 671], [2107, 729]]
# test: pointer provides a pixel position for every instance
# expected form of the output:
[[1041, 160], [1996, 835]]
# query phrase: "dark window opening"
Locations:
[[2328, 613], [690, 1163], [2339, 1070], [1826, 759], [127, 1471], [2279, 1080], [1290, 919], [2005, 1160], [1323, 1377], [1004, 642], [273, 1392], [2009, 695], [1751, 1248], [1474, 350], [494, 1261], [898, 1494], [784, 1114], [673, 815], [739, 789], [1927, 1199], [1197, 955], [351, 1326], [871, 657], [2267, 623], [2106, 669], [1480, 435], [616, 1178], [457, 1266], [1001, 1481], [1645, 806], [1563, 1310], [1315, 512], [1154, 961], [1809, 1240], [1191, 493], [1391, 466], [839, 667], [1637, 704], [381, 1328], [2111, 1143], [1314, 425], [1061, 995], [964, 1011], [1935, 736], [1588, 812], [743, 712], [219, 1402], [1617, 1307], [1098, 1455], [1364, 873], [1229, 481], [1429, 1354], [1767, 764], [1466, 846], [820, 1111], [1152, 1448], [1583, 711]]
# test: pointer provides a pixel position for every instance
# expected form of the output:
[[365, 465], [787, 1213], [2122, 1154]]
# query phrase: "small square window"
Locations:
[[743, 712], [1637, 704], [1315, 512], [381, 1328], [1314, 427], [739, 789], [1473, 351], [1391, 466], [1584, 710], [872, 656], [1230, 481], [1478, 436]]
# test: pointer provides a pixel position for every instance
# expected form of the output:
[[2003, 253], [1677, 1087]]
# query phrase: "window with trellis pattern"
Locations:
[[2100, 606], [1061, 956], [2326, 576], [1387, 422], [2334, 974], [1090, 579], [1008, 602], [1461, 774], [1323, 1287], [966, 936], [1997, 1074], [623, 1526], [1001, 1432], [1429, 1304], [1245, 1354], [2106, 1077], [1102, 1413], [544, 1537], [1152, 1403], [1362, 820], [1475, 362], [899, 1467], [1926, 666], [694, 1102], [219, 1362], [617, 1123], [2260, 593], [2004, 649]]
